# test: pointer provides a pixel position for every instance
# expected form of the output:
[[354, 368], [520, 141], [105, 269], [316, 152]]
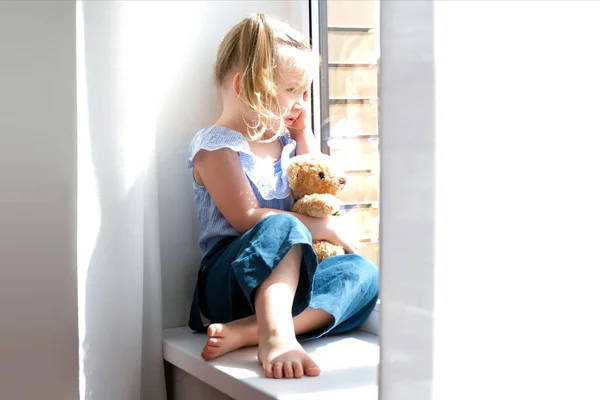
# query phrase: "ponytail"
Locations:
[[257, 77]]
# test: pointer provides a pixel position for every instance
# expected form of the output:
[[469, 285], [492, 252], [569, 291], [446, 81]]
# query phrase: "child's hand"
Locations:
[[299, 127], [339, 233], [302, 123]]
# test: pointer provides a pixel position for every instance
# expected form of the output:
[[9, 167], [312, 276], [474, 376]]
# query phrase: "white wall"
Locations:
[[190, 104], [38, 286], [517, 200]]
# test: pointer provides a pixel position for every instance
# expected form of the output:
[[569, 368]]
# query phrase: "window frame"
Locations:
[[320, 101]]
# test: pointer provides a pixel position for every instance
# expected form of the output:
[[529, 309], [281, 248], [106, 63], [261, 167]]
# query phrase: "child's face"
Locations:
[[293, 81], [292, 95]]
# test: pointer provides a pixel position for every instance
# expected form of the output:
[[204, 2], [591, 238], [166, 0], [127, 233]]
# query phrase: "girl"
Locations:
[[259, 282]]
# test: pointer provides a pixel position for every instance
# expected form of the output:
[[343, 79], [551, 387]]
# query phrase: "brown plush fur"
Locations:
[[316, 205], [325, 249], [303, 176], [314, 182]]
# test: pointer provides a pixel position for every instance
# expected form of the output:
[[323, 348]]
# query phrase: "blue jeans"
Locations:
[[345, 286]]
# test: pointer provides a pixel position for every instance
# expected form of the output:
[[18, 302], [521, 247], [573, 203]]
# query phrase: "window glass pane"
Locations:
[[353, 119], [351, 13], [352, 82], [351, 47]]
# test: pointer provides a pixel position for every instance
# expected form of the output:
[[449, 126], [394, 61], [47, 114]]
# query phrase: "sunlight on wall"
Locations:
[[156, 38], [153, 39]]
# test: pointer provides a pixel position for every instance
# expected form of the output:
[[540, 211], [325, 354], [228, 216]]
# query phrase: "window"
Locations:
[[349, 45]]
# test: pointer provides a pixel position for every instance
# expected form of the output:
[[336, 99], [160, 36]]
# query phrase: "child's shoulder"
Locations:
[[215, 138], [218, 136]]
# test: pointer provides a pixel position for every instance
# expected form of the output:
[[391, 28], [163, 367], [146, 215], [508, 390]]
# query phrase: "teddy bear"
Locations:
[[314, 181]]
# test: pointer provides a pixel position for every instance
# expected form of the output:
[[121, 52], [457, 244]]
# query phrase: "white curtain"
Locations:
[[144, 87], [120, 311]]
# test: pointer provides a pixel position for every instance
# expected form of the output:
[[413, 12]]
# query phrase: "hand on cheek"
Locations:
[[302, 122]]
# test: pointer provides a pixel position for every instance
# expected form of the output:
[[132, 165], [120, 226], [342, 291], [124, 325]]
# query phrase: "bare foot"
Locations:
[[284, 357], [225, 338]]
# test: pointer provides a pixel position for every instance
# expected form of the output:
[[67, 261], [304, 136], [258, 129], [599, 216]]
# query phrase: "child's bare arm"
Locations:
[[225, 180], [305, 142]]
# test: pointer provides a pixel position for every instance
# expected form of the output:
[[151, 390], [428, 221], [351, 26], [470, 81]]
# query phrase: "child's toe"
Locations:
[[268, 370], [310, 368], [278, 370], [298, 370], [215, 330], [288, 370]]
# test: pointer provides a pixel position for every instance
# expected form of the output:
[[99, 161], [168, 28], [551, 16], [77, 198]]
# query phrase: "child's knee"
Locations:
[[368, 276], [284, 223]]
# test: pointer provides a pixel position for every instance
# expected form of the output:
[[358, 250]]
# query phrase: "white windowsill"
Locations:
[[349, 366]]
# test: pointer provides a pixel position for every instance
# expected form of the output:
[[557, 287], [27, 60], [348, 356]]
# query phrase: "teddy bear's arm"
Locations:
[[317, 205]]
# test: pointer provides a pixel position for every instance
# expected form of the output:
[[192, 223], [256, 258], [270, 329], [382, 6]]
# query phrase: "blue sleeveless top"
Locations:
[[268, 180]]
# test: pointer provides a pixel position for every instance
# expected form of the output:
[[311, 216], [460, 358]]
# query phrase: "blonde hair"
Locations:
[[252, 47]]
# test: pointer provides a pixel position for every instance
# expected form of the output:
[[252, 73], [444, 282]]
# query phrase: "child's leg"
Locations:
[[346, 287], [278, 350], [225, 338], [269, 272]]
